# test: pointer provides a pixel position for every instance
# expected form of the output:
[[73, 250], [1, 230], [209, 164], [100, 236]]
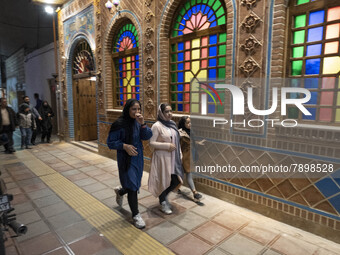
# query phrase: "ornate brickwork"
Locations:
[[249, 3], [250, 45], [250, 22]]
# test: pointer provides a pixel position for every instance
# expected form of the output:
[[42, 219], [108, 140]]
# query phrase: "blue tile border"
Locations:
[[272, 197]]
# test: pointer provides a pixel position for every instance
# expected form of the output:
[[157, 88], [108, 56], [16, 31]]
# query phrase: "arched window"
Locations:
[[314, 61], [125, 65], [197, 51], [82, 59]]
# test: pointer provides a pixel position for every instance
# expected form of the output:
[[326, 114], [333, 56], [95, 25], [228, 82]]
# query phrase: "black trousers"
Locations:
[[173, 184], [8, 131], [132, 199], [46, 133], [36, 131]]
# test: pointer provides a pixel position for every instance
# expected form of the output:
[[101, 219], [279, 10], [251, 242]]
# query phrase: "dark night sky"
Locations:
[[23, 23]]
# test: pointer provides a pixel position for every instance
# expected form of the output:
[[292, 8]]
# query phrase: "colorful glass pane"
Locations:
[[333, 13], [331, 47], [298, 52], [328, 82], [313, 50], [325, 114], [326, 98], [331, 65], [127, 38], [314, 34], [313, 66], [300, 21], [299, 37], [316, 17], [302, 2], [332, 31], [310, 117], [196, 15], [293, 112], [297, 67]]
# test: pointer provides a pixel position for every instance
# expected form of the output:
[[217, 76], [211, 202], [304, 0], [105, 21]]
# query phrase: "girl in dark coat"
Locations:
[[46, 114], [125, 136]]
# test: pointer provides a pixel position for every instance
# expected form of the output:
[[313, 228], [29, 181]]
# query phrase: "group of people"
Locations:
[[29, 119], [170, 159]]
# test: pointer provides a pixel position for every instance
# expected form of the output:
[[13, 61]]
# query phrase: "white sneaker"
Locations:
[[138, 221], [167, 201], [165, 208], [119, 198]]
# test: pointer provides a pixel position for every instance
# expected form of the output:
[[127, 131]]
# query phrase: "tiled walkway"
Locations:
[[57, 227]]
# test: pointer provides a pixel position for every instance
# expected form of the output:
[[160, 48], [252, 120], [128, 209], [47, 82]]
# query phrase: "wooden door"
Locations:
[[85, 110]]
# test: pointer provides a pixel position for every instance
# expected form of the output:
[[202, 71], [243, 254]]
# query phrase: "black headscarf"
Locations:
[[127, 123], [181, 124]]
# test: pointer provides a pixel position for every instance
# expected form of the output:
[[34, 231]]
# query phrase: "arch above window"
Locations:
[[125, 57]]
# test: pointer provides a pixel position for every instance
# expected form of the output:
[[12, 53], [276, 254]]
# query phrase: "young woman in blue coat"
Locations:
[[126, 135]]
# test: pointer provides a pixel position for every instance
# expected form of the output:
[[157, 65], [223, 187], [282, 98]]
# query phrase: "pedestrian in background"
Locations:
[[36, 115], [38, 101], [125, 136], [187, 140], [46, 114], [8, 122], [166, 172], [38, 104], [26, 124]]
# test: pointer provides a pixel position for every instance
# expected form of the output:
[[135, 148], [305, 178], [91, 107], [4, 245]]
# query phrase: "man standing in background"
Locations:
[[38, 101], [8, 122]]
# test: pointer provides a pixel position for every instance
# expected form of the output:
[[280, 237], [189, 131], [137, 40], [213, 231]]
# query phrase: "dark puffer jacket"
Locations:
[[12, 118]]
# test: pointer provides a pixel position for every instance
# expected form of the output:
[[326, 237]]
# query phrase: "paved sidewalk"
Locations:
[[56, 227]]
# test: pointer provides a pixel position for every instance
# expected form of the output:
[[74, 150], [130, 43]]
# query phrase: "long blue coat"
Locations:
[[130, 179]]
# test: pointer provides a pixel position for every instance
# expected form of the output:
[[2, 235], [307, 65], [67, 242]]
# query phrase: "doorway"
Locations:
[[84, 109]]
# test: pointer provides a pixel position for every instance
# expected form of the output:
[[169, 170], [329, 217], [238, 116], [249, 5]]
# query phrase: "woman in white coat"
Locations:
[[166, 172]]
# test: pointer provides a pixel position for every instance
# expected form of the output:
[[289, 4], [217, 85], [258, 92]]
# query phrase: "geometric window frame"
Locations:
[[125, 65], [83, 61], [197, 50], [314, 59]]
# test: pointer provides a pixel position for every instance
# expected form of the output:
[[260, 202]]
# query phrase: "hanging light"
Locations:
[[109, 4], [49, 9], [116, 3]]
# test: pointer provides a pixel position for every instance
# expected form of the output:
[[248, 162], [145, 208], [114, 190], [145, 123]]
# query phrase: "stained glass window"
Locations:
[[83, 59], [197, 51], [315, 59], [126, 65]]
